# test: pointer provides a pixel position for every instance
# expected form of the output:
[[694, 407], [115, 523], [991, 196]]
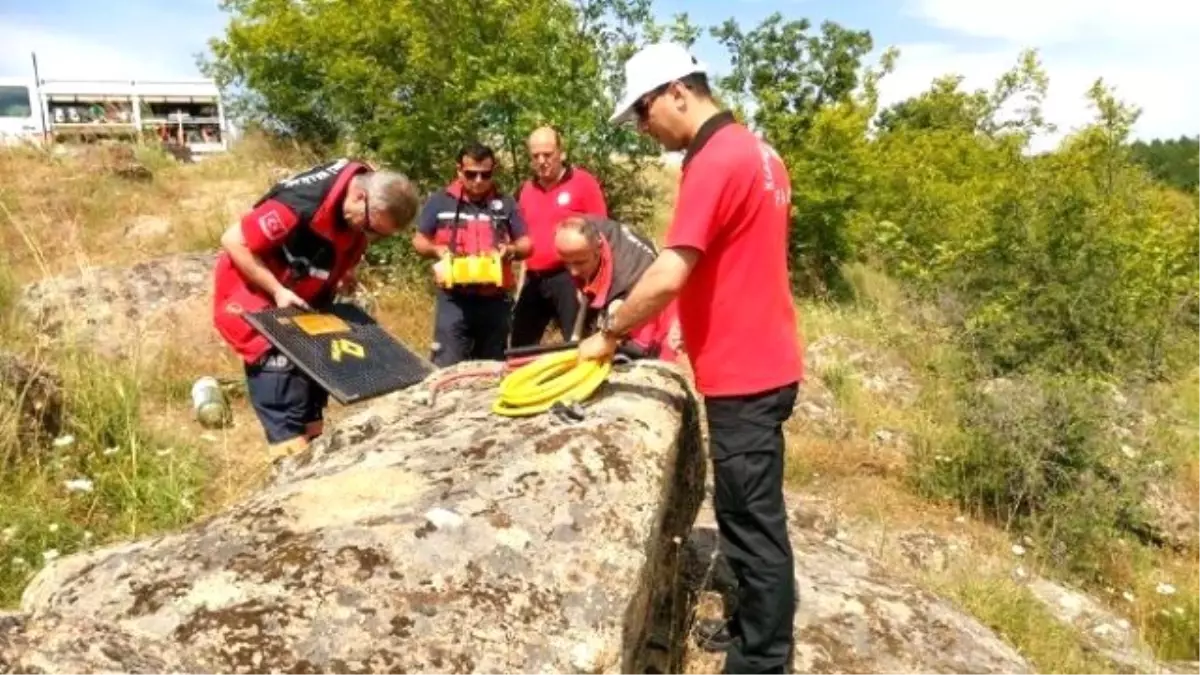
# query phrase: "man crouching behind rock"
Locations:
[[297, 248]]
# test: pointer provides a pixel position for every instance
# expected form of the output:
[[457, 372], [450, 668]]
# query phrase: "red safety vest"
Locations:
[[309, 250], [470, 228]]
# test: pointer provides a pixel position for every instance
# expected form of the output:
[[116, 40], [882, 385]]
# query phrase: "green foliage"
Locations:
[[136, 483], [409, 82], [802, 85], [1039, 455], [1174, 625], [1071, 260], [1175, 162]]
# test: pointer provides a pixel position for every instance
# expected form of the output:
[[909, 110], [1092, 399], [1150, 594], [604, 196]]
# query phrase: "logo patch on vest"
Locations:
[[564, 198], [271, 225], [497, 205]]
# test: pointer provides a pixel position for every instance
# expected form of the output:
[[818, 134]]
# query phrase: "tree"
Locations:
[[1172, 161], [407, 82], [801, 87]]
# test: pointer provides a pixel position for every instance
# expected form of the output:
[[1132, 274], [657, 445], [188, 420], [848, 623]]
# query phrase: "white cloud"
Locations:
[[1047, 23], [66, 56], [1139, 49]]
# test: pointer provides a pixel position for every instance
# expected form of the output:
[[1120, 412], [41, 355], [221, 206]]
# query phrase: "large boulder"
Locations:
[[854, 616], [128, 311], [417, 536]]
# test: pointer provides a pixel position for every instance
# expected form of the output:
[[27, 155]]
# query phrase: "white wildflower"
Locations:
[[79, 485], [1128, 596], [1164, 588], [1018, 549], [64, 441], [164, 452], [18, 561], [960, 519], [109, 452], [8, 533], [186, 503], [53, 527], [49, 554], [88, 535]]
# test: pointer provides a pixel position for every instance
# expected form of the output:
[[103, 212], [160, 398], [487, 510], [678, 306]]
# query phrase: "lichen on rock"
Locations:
[[411, 538]]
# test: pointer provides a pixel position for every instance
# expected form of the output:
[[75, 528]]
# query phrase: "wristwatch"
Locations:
[[605, 324]]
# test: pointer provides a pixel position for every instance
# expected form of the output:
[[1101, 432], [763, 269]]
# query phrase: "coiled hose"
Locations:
[[557, 377]]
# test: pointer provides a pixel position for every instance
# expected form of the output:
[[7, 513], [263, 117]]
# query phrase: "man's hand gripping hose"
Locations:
[[556, 378]]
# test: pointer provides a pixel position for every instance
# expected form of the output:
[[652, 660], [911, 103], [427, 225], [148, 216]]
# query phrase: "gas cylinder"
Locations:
[[209, 404]]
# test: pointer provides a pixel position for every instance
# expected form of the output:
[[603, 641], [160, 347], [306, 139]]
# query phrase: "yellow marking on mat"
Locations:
[[344, 346], [320, 324]]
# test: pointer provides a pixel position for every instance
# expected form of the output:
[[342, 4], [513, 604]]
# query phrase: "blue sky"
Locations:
[[1141, 47]]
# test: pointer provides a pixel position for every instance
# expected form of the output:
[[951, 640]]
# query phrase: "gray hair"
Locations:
[[584, 226], [392, 192]]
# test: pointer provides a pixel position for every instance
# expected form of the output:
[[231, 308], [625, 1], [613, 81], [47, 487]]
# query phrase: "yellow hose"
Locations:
[[538, 385]]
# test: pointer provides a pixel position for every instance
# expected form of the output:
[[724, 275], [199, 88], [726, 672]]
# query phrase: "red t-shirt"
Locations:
[[544, 208], [736, 312]]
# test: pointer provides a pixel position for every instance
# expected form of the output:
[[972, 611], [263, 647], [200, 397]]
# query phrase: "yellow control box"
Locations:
[[469, 269]]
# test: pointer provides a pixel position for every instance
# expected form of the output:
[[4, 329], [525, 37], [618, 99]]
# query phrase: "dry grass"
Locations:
[[130, 459], [62, 214]]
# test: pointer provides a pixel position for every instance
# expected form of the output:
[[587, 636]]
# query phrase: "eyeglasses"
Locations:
[[642, 107], [472, 174], [368, 227]]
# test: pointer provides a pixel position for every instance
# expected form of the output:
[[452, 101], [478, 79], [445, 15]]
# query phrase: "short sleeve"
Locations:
[[516, 221], [267, 225], [427, 220], [697, 208], [596, 203]]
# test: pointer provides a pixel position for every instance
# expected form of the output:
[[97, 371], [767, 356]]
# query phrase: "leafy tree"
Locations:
[[801, 86], [408, 81], [1172, 161]]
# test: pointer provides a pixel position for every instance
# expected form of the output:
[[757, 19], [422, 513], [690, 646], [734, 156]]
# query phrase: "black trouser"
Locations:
[[470, 326], [747, 448], [545, 296]]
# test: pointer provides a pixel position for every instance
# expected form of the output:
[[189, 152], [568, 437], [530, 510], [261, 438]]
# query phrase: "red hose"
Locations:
[[482, 371]]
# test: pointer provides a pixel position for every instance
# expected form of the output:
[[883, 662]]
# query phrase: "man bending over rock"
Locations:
[[298, 247], [605, 260]]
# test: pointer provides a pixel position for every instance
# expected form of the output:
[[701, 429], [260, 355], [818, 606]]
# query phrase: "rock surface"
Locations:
[[1111, 635], [412, 538], [115, 310], [854, 617], [35, 393]]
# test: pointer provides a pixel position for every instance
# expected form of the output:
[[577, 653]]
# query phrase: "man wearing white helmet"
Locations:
[[726, 261]]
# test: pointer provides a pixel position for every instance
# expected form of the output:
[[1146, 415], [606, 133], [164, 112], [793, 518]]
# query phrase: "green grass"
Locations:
[[137, 483], [1021, 620], [1024, 467]]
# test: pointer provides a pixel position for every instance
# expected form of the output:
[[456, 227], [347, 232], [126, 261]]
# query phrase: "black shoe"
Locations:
[[712, 635]]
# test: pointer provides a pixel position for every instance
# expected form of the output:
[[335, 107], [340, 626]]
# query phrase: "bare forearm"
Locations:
[[424, 246], [656, 289], [254, 269], [649, 297], [522, 248]]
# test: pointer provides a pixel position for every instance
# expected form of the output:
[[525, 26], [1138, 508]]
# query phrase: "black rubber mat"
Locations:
[[343, 349]]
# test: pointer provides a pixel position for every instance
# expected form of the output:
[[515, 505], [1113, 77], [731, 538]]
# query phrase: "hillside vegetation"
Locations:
[[1000, 342]]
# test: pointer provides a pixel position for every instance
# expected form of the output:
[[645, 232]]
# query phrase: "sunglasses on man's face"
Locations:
[[472, 174], [642, 107]]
